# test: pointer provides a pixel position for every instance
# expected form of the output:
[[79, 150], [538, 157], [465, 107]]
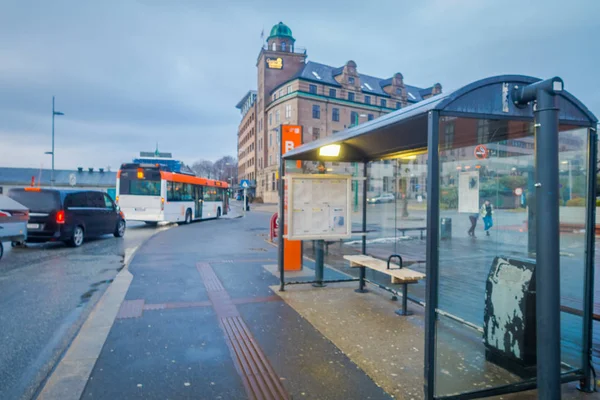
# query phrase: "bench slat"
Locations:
[[403, 275]]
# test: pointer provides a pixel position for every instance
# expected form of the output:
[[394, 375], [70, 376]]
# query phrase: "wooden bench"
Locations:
[[398, 273], [420, 228]]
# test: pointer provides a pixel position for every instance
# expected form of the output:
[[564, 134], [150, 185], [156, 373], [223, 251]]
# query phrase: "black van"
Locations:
[[69, 215]]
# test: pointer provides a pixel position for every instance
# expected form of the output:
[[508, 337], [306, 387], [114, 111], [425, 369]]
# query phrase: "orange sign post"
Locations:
[[291, 137]]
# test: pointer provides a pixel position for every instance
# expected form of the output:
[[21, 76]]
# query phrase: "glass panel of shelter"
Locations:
[[487, 252]]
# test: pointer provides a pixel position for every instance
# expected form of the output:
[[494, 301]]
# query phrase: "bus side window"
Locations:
[[170, 191], [177, 189], [187, 192]]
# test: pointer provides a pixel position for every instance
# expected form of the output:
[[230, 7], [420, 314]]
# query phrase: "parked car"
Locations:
[[69, 215], [381, 198], [13, 221]]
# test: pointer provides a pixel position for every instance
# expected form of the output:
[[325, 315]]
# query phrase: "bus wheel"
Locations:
[[218, 212], [188, 216]]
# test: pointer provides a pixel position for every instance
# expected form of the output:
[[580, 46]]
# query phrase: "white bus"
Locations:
[[147, 193]]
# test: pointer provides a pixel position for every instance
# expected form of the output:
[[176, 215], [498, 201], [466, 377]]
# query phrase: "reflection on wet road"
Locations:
[[46, 291]]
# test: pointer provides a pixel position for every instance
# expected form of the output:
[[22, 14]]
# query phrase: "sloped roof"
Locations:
[[22, 177], [406, 129], [326, 74]]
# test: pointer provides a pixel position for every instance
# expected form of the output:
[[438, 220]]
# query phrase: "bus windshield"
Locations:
[[130, 184]]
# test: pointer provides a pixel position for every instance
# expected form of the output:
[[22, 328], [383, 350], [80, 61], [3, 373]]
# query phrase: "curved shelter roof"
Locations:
[[406, 129]]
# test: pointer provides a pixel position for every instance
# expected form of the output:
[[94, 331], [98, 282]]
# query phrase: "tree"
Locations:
[[204, 168], [225, 169]]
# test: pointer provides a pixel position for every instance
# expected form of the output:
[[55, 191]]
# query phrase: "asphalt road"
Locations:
[[46, 292]]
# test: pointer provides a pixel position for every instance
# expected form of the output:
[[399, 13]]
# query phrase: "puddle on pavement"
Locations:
[[84, 298]]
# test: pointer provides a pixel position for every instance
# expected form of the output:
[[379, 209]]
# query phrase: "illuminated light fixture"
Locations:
[[459, 168], [478, 166], [468, 167], [140, 173], [564, 162], [412, 157], [331, 150]]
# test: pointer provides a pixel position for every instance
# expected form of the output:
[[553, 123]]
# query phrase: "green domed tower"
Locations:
[[281, 38]]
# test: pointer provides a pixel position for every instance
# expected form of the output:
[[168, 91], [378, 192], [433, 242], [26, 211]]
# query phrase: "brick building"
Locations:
[[321, 98], [247, 138]]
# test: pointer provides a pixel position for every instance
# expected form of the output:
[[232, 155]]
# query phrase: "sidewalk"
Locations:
[[200, 321], [203, 318]]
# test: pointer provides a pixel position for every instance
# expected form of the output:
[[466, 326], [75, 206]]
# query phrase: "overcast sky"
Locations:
[[128, 74]]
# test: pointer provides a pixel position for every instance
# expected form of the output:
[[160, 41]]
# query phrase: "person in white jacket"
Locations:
[[487, 215]]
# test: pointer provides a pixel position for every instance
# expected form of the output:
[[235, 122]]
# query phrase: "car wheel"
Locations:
[[219, 212], [120, 229], [78, 236], [188, 217]]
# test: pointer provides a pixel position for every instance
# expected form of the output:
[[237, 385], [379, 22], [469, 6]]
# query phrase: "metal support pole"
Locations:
[[433, 225], [548, 245], [320, 250], [364, 209], [548, 234], [319, 263], [587, 383], [52, 173], [531, 214], [281, 221], [361, 280]]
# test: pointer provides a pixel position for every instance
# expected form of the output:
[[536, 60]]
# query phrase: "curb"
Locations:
[[69, 378]]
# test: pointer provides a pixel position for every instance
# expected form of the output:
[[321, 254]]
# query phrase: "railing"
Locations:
[[288, 49]]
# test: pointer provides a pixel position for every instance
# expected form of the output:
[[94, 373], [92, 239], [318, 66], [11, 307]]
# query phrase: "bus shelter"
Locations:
[[498, 180]]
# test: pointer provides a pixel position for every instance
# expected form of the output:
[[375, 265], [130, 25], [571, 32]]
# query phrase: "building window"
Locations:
[[398, 105], [270, 119], [270, 142], [383, 103], [332, 93], [367, 99], [316, 109], [370, 117], [335, 114], [277, 119], [351, 80], [351, 96], [273, 182], [353, 118], [288, 111], [270, 159], [274, 96], [289, 89], [312, 89], [282, 46], [316, 133], [274, 47]]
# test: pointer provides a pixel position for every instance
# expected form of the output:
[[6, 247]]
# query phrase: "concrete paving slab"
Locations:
[[390, 348]]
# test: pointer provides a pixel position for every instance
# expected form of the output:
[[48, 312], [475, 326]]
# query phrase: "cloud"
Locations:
[[129, 74]]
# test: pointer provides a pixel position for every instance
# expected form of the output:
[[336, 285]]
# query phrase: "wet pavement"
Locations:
[[46, 292], [201, 321]]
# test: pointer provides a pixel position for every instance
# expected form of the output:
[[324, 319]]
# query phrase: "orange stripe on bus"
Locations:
[[175, 177]]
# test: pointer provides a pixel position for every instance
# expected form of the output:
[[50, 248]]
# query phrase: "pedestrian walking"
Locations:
[[247, 203], [487, 213], [473, 218]]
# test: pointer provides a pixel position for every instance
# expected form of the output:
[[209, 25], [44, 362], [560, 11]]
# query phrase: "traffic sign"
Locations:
[[481, 151], [518, 191], [245, 183]]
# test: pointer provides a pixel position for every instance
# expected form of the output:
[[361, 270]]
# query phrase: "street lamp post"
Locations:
[[54, 113]]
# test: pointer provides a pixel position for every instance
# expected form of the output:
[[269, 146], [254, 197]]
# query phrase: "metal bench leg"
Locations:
[[361, 281], [404, 310]]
